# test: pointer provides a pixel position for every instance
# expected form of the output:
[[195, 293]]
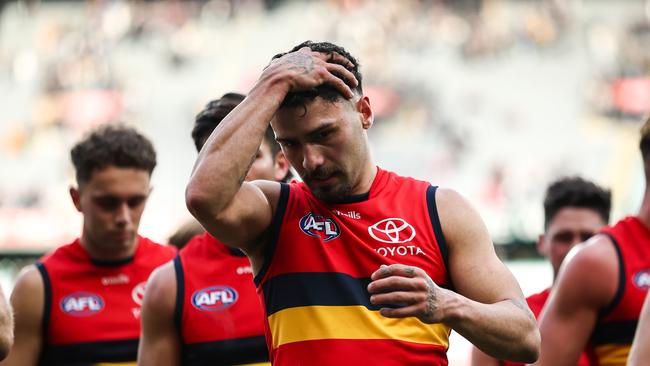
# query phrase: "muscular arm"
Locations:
[[27, 300], [159, 340], [235, 212], [640, 351], [6, 327], [488, 308], [586, 283]]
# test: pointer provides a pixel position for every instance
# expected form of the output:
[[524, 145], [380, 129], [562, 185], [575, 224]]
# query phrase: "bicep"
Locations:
[[474, 268], [27, 300], [159, 341]]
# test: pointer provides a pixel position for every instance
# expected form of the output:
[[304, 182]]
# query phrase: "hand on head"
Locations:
[[306, 69]]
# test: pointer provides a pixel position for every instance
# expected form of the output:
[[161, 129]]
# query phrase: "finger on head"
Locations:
[[337, 58], [343, 74], [339, 84]]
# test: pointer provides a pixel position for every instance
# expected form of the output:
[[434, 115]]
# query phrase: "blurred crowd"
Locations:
[[495, 97]]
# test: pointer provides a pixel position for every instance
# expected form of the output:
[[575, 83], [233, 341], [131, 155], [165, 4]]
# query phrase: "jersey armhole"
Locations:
[[47, 298], [620, 290], [437, 230], [180, 295], [274, 233]]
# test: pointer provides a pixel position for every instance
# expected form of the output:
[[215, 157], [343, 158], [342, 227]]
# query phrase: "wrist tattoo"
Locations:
[[431, 298]]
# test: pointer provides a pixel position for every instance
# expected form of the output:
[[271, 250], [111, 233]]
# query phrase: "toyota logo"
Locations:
[[392, 231]]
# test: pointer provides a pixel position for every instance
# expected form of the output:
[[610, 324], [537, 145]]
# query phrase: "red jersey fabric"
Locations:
[[92, 308], [612, 337], [218, 313], [314, 281]]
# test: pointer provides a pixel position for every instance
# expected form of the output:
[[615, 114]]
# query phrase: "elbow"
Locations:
[[197, 201], [530, 349]]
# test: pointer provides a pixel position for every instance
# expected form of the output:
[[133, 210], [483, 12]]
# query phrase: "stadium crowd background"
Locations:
[[495, 98]]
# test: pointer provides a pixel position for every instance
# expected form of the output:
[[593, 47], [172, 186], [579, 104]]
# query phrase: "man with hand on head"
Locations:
[[202, 309], [317, 246], [574, 210], [80, 305]]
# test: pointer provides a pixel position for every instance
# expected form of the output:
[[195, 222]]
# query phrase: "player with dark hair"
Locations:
[[354, 265], [574, 210], [80, 304], [600, 290], [202, 308]]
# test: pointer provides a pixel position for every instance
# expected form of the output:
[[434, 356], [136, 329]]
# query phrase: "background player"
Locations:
[[574, 210], [81, 303], [183, 321]]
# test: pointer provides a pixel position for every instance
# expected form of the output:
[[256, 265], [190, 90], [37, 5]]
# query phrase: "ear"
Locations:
[[541, 245], [365, 111], [76, 198], [280, 166]]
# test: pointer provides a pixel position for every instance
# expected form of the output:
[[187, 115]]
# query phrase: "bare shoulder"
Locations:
[[29, 289], [461, 223], [591, 271], [160, 292]]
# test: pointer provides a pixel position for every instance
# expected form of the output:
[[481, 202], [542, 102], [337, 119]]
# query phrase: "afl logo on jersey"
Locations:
[[393, 231], [642, 279], [82, 304], [319, 226], [214, 298]]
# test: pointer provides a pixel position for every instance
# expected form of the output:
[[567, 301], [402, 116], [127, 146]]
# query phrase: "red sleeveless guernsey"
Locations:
[[219, 316], [314, 280], [536, 303], [92, 309], [612, 337]]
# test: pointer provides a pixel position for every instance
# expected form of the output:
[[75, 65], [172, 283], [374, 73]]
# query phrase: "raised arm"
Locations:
[[236, 212], [27, 300], [159, 338], [586, 283], [640, 352], [488, 308]]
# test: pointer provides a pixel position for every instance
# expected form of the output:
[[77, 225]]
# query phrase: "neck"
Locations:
[[366, 178], [107, 253], [644, 211]]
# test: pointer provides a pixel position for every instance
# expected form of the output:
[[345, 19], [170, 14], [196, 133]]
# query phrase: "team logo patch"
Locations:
[[137, 294], [214, 298], [82, 304], [393, 231], [642, 279], [319, 226]]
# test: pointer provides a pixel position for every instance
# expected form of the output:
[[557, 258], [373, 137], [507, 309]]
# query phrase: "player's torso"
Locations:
[[92, 311], [221, 319], [315, 290], [614, 332]]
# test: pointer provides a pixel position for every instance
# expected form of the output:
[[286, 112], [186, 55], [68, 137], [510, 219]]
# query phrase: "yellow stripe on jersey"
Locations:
[[117, 364], [257, 364], [612, 354], [350, 322]]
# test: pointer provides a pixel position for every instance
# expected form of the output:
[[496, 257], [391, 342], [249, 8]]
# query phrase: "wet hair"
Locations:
[[576, 192], [112, 145], [324, 91], [644, 145]]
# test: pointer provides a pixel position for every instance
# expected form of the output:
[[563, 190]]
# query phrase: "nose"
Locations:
[[123, 215], [311, 158]]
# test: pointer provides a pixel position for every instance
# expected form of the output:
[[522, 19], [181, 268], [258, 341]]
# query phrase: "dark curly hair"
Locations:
[[115, 145], [576, 192], [324, 91], [210, 117]]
